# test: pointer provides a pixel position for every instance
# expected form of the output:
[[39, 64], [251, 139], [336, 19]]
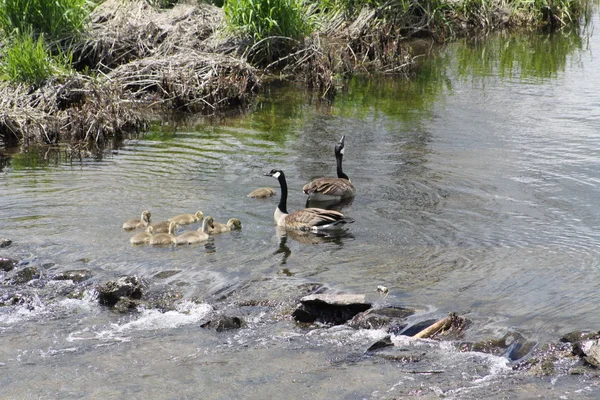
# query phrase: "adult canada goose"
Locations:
[[164, 238], [200, 235], [163, 226], [261, 193], [135, 223], [324, 189], [142, 237], [232, 224], [186, 219], [307, 219]]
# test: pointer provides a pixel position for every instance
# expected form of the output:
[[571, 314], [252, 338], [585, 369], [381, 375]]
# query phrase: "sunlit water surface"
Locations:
[[478, 190]]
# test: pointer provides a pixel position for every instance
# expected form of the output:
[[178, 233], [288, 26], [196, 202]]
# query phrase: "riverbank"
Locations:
[[137, 58]]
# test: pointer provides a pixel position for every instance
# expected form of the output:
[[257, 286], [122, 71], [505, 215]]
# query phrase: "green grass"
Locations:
[[55, 18], [29, 61], [275, 25]]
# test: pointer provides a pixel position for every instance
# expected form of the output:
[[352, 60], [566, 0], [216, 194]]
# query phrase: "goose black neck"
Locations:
[[284, 192], [340, 173]]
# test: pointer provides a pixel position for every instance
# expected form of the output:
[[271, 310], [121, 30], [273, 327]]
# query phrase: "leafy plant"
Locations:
[[28, 60]]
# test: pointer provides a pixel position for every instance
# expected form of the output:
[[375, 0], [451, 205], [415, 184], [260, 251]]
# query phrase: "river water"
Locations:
[[478, 189]]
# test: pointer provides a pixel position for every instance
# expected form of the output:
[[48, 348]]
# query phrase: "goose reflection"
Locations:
[[306, 237]]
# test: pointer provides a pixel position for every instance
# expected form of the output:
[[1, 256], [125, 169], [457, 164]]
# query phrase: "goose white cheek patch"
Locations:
[[276, 175], [342, 150]]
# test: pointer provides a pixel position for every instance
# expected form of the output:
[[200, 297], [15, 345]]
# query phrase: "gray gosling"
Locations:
[[306, 219], [136, 223], [232, 224], [142, 237], [164, 238], [328, 189], [198, 236], [261, 193], [187, 219]]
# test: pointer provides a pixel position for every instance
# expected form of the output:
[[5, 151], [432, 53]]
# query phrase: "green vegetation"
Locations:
[[55, 18], [274, 26], [28, 60], [26, 25]]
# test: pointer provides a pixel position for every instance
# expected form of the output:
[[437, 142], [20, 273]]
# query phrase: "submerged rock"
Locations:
[[513, 346], [110, 293], [390, 318], [333, 309], [25, 275], [225, 323], [7, 264], [76, 275], [5, 243]]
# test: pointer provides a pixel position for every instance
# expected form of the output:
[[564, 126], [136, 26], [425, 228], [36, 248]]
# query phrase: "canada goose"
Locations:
[[135, 223], [186, 219], [308, 219], [165, 238], [200, 235], [163, 226], [323, 189], [232, 224], [261, 193], [142, 237]]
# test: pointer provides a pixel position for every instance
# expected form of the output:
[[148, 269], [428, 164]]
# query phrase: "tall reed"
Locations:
[[274, 26]]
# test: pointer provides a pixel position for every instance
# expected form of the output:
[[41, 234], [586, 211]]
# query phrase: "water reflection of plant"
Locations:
[[518, 56]]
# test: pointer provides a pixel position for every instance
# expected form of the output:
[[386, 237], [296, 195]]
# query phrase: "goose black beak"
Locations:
[[268, 174]]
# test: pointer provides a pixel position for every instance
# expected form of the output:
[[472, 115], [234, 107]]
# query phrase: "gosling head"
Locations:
[[146, 216], [234, 223], [199, 215], [209, 221]]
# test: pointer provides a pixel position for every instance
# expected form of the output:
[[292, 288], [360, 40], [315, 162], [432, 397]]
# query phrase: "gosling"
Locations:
[[201, 235], [136, 223]]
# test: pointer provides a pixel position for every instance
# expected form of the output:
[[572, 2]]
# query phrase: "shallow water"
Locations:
[[478, 188]]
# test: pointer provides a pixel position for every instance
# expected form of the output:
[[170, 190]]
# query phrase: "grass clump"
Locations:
[[28, 60], [55, 18], [274, 26]]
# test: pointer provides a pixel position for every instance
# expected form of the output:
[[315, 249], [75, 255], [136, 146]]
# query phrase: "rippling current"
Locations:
[[478, 191]]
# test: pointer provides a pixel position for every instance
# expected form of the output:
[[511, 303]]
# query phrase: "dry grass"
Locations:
[[72, 110], [189, 81]]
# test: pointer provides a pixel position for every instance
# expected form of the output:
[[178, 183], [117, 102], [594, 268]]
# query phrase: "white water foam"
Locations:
[[187, 313]]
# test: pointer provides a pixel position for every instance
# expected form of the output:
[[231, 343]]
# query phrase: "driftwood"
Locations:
[[450, 323]]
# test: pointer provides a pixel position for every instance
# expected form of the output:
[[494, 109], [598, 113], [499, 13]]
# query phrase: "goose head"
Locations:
[[339, 147], [275, 173], [208, 223], [199, 215]]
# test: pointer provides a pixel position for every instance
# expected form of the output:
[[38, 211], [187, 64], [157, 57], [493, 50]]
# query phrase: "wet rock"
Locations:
[[589, 350], [25, 275], [513, 346], [418, 327], [578, 336], [390, 318], [225, 323], [380, 344], [110, 293], [7, 264], [126, 304], [549, 359], [5, 243], [76, 275], [333, 309]]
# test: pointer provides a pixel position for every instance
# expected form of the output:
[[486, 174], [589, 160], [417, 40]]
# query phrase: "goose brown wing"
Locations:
[[330, 186], [309, 217]]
